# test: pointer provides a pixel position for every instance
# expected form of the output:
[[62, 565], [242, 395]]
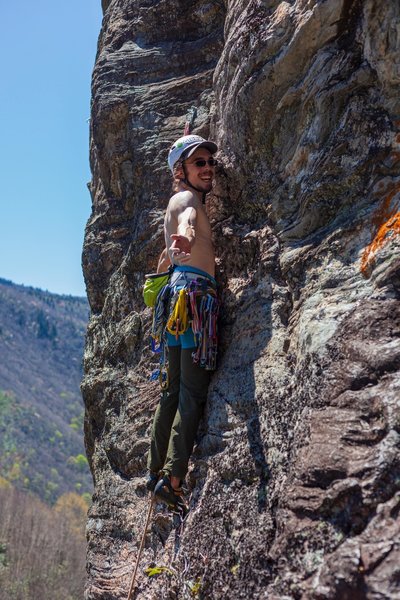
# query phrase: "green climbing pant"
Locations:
[[178, 414]]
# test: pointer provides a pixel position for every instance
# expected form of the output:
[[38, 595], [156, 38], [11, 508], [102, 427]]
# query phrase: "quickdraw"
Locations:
[[178, 322], [204, 310]]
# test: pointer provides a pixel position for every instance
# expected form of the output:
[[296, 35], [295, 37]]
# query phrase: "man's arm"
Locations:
[[180, 226], [185, 237], [163, 261]]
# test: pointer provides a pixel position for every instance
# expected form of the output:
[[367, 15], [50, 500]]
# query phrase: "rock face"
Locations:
[[295, 481]]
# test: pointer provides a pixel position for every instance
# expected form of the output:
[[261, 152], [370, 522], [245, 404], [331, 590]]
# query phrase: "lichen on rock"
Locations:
[[294, 482]]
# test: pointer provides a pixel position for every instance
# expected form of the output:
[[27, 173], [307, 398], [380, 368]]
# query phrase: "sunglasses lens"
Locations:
[[202, 163]]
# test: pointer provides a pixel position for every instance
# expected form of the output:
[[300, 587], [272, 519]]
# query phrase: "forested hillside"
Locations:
[[41, 410], [42, 548]]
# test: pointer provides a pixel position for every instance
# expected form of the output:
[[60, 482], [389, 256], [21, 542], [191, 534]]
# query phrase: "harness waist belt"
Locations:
[[188, 273]]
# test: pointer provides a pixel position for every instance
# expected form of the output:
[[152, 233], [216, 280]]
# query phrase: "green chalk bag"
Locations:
[[153, 283]]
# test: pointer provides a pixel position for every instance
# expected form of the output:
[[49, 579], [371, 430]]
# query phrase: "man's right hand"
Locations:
[[180, 249]]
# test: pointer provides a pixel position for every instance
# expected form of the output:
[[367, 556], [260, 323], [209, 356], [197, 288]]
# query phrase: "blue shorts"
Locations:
[[185, 340], [181, 277]]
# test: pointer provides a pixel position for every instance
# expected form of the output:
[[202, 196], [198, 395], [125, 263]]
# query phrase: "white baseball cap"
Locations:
[[188, 144]]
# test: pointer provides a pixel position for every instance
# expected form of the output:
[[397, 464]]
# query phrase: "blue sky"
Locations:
[[47, 52]]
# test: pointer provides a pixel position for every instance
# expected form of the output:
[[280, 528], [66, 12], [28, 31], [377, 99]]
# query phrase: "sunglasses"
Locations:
[[201, 162]]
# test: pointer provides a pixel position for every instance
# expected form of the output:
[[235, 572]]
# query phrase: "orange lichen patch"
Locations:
[[386, 222]]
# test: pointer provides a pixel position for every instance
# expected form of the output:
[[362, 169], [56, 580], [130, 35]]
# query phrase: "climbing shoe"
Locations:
[[170, 496], [151, 481]]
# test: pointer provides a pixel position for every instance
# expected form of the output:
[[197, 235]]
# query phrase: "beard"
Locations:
[[206, 186]]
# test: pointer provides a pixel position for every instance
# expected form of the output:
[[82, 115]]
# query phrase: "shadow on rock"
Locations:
[[232, 426]]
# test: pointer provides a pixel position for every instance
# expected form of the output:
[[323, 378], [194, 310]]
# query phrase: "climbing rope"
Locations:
[[132, 586], [190, 118]]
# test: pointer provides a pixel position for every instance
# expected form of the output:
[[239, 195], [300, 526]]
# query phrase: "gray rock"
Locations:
[[294, 484]]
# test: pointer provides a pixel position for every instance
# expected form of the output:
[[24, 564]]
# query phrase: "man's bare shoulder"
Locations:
[[181, 200]]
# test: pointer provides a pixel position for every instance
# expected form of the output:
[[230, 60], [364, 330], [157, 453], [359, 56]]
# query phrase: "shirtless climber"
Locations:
[[185, 314]]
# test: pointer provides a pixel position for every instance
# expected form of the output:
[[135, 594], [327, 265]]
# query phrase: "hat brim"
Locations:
[[211, 146]]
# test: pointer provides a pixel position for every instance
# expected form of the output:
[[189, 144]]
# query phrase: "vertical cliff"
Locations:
[[295, 481]]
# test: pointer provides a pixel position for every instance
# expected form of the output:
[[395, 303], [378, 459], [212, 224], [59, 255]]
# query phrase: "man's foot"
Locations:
[[152, 480], [173, 497]]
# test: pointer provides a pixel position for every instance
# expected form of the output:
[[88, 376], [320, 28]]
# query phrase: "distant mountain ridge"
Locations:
[[41, 409]]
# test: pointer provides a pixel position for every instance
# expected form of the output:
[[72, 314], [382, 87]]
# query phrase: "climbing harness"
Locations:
[[132, 585], [193, 304]]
